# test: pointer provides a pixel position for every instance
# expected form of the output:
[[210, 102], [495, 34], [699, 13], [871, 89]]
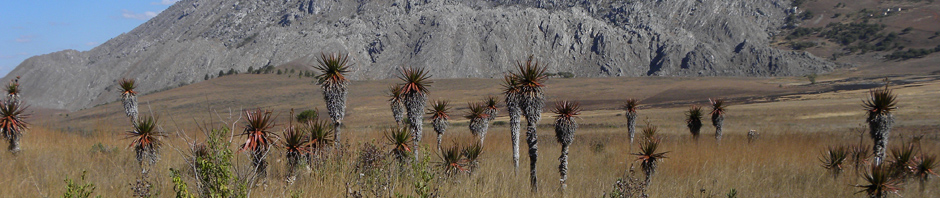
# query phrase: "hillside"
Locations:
[[453, 39]]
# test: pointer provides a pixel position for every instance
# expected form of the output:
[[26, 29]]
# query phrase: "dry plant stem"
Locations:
[[532, 140], [414, 104], [718, 120], [563, 166]]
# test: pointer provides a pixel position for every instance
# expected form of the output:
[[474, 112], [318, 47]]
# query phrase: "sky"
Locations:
[[35, 27]]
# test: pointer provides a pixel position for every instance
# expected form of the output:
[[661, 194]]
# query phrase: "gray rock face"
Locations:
[[453, 39]]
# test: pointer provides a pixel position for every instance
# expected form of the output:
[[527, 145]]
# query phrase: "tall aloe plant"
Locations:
[[13, 90], [879, 106], [718, 116], [531, 78], [565, 127], [415, 95], [511, 92], [630, 112], [333, 81]]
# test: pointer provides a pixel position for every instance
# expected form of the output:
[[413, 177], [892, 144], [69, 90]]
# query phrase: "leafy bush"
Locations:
[[307, 115], [846, 34], [802, 45], [75, 190]]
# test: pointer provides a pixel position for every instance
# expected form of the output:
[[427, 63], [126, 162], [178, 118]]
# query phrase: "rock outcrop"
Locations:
[[451, 38]]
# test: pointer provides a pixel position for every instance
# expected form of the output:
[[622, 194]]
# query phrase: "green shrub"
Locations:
[[75, 190], [307, 115]]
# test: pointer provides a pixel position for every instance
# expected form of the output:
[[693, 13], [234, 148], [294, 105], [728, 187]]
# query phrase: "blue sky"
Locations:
[[35, 27]]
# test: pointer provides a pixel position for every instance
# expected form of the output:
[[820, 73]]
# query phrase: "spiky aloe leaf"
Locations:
[[880, 101], [881, 182], [630, 105], [565, 126], [146, 139], [399, 138], [649, 131], [258, 130], [833, 159], [472, 153], [694, 120], [333, 69], [903, 161], [321, 135], [924, 167], [451, 161], [476, 114], [491, 102], [13, 89], [415, 80], [649, 157], [13, 119], [127, 87], [718, 107]]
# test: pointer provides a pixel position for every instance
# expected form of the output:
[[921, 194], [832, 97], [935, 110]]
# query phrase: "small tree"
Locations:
[[531, 78], [511, 91]]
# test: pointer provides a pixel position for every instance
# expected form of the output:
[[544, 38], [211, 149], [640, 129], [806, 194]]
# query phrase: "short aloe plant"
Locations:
[[439, 115], [694, 120], [129, 97], [902, 162], [332, 80], [321, 135], [491, 102], [924, 167], [452, 160], [476, 113], [259, 139], [399, 139], [833, 159], [881, 182], [146, 141], [472, 153], [13, 123], [649, 156], [296, 145]]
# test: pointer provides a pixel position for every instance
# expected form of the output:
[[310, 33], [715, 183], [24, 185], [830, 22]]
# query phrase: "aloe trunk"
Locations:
[[335, 97], [130, 107], [414, 104], [532, 109], [717, 120], [514, 126], [631, 124], [880, 129]]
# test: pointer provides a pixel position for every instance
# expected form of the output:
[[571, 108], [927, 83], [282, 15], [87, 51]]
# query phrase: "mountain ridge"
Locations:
[[452, 39]]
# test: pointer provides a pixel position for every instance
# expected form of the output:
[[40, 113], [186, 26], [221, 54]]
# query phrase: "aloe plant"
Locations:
[[565, 127], [879, 106], [333, 81]]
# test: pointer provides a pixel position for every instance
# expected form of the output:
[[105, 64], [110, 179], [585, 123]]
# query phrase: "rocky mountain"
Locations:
[[451, 38]]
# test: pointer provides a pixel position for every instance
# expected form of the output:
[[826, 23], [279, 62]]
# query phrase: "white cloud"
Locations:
[[91, 43], [127, 14], [24, 39], [164, 2]]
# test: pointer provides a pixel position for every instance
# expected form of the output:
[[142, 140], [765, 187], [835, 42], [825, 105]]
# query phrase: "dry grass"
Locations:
[[782, 163]]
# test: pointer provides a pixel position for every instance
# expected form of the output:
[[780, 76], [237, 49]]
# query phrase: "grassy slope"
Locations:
[[795, 127]]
